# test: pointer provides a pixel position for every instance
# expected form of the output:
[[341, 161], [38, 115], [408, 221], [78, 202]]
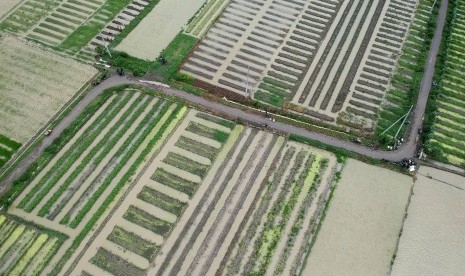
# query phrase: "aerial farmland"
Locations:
[[231, 137]]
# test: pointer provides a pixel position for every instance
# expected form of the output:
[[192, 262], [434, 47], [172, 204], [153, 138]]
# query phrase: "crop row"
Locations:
[[165, 121], [445, 131], [161, 223], [407, 74], [25, 250], [58, 169], [125, 152]]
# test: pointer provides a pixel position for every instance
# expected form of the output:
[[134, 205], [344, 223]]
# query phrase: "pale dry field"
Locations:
[[361, 229], [432, 241], [34, 86], [158, 28], [7, 5]]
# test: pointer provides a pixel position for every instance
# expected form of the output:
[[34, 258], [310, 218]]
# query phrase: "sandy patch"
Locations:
[[360, 232], [158, 28], [432, 241]]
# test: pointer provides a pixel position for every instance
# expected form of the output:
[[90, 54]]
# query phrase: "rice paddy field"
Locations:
[[343, 62], [35, 84], [432, 238], [154, 187], [448, 132]]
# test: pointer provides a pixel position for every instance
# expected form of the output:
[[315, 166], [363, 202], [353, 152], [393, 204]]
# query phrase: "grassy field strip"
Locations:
[[228, 204], [243, 250], [120, 127], [181, 237], [85, 161], [98, 196], [8, 148], [88, 126], [32, 198], [197, 200], [118, 214]]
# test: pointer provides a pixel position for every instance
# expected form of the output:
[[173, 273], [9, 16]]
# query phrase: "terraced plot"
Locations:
[[36, 84], [71, 191], [25, 250], [324, 58], [448, 131]]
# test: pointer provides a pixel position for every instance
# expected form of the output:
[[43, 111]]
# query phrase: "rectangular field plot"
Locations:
[[36, 84], [171, 181], [158, 28], [324, 58], [94, 163], [448, 135], [434, 227], [363, 221], [25, 250]]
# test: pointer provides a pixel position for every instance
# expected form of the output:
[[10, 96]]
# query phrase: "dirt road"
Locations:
[[406, 151]]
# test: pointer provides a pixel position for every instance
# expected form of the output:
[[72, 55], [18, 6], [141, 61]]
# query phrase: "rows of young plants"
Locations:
[[286, 74], [277, 234], [76, 185], [446, 131], [408, 72], [72, 24], [8, 147], [159, 198], [25, 250], [372, 80], [241, 44], [211, 225]]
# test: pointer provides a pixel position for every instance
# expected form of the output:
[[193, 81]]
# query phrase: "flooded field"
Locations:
[[362, 225], [432, 241]]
